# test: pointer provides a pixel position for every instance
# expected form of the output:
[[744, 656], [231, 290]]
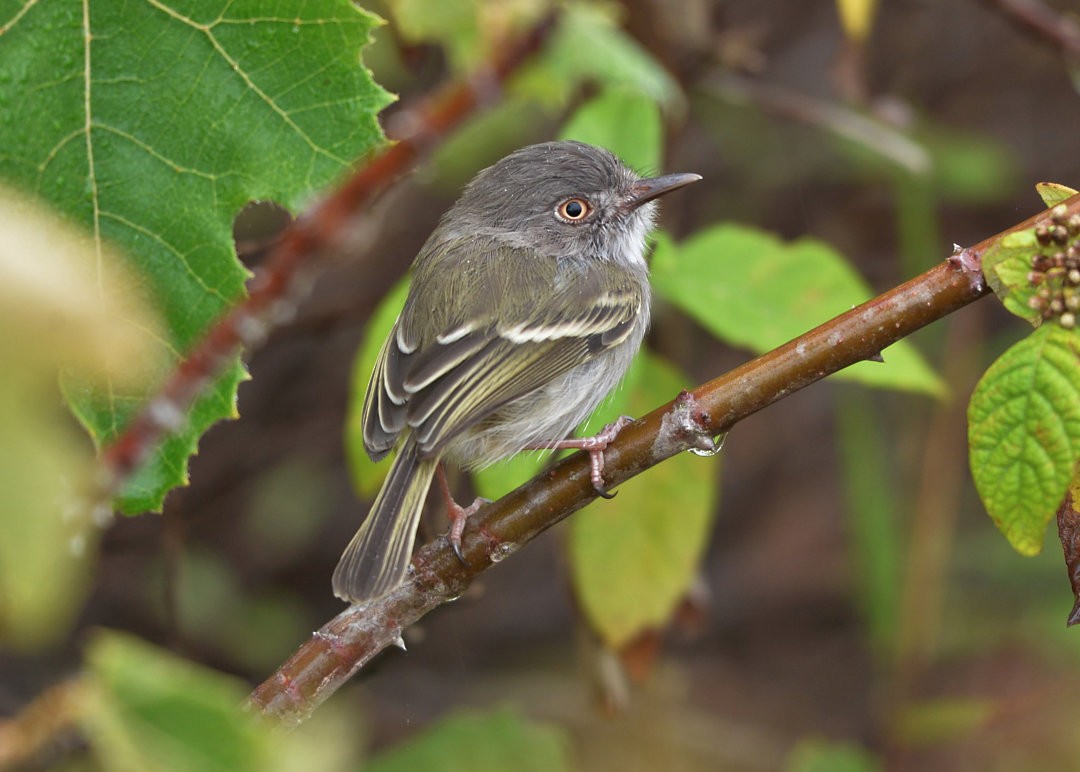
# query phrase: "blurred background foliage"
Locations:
[[842, 602]]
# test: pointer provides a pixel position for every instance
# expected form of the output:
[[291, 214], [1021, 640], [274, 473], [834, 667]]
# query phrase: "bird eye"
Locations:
[[573, 210]]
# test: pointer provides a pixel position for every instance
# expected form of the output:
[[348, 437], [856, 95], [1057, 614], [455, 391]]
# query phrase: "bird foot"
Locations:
[[458, 515], [595, 447]]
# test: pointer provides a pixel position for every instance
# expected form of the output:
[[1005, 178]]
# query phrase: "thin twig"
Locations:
[[27, 737], [1042, 21], [346, 643], [842, 120], [288, 268]]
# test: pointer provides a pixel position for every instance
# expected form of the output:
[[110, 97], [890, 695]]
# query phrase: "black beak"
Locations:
[[653, 187]]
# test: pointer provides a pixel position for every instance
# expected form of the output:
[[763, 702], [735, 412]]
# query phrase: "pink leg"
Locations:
[[457, 513], [595, 447]]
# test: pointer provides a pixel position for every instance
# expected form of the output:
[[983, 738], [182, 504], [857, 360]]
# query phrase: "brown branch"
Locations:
[[346, 643], [1068, 520], [287, 272], [1041, 21], [27, 737]]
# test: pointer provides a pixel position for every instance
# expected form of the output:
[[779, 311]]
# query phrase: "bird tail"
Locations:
[[378, 555]]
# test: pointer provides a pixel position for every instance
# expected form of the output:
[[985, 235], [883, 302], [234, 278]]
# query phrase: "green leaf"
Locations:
[[753, 290], [1024, 433], [626, 123], [474, 742], [470, 31], [217, 614], [818, 755], [589, 47], [158, 133], [457, 24], [153, 711], [103, 414], [1054, 193], [633, 558], [513, 123], [366, 475], [1006, 265]]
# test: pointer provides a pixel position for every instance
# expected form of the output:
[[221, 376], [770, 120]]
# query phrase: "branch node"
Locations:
[[970, 262], [685, 427]]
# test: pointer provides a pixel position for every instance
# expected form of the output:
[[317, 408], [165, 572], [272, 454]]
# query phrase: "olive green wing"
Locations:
[[495, 325]]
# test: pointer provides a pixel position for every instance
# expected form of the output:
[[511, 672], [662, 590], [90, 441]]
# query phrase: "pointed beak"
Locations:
[[653, 187]]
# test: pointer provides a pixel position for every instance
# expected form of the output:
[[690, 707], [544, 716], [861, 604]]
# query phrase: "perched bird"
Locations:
[[527, 304]]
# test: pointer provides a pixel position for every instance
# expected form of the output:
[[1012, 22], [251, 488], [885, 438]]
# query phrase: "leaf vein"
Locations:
[[207, 31]]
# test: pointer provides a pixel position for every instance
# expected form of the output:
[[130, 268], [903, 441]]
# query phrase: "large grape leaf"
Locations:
[[151, 124]]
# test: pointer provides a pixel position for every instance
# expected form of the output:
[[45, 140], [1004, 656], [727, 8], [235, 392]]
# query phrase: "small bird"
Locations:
[[527, 305]]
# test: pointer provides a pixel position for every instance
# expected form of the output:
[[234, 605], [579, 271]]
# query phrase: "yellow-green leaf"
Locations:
[[857, 18], [1024, 433], [1053, 193], [633, 558], [367, 476], [1006, 265], [66, 308]]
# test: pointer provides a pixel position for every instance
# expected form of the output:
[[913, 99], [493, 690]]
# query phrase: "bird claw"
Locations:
[[604, 493], [595, 447], [458, 515]]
